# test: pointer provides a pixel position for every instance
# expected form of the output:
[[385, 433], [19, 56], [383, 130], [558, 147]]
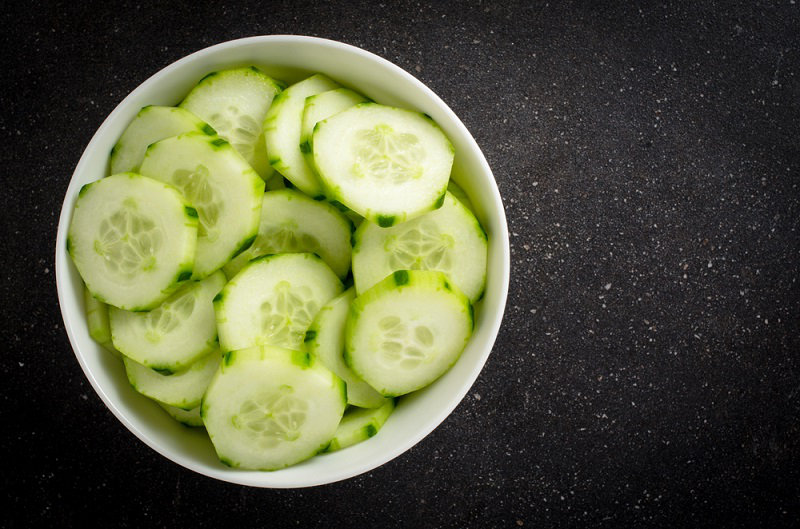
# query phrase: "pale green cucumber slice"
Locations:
[[188, 417], [322, 106], [282, 127], [182, 390], [386, 164], [407, 331], [132, 240], [235, 102], [457, 191], [448, 239], [273, 300], [151, 124], [175, 334], [221, 186], [359, 424], [325, 340], [291, 222], [268, 408], [97, 322]]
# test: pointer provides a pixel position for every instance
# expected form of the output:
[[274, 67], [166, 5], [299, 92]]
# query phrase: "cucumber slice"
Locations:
[[151, 124], [174, 335], [407, 330], [448, 239], [97, 322], [460, 194], [293, 223], [322, 106], [273, 300], [282, 132], [187, 417], [182, 390], [325, 340], [386, 164], [268, 408], [359, 424], [132, 240], [221, 186], [235, 102]]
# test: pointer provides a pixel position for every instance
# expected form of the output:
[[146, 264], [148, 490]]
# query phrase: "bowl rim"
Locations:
[[248, 478]]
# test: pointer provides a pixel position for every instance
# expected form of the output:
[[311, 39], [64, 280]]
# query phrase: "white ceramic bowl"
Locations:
[[290, 58]]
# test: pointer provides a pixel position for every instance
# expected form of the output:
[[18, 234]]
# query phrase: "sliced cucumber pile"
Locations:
[[229, 305]]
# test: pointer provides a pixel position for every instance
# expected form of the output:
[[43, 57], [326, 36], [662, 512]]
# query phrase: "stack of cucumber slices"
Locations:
[[279, 264]]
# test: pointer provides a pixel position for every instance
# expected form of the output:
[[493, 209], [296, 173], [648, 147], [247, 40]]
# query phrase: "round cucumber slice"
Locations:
[[386, 164], [322, 106], [221, 186], [359, 424], [187, 417], [282, 128], [97, 321], [291, 222], [176, 333], [407, 330], [448, 239], [268, 408], [151, 124], [235, 102], [132, 240], [325, 340], [273, 300], [182, 390]]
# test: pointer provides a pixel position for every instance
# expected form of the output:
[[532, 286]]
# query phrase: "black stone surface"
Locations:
[[646, 373]]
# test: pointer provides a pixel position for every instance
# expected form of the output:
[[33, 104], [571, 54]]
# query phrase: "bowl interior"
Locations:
[[290, 58]]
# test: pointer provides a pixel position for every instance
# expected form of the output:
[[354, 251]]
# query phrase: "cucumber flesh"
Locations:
[[291, 222], [386, 164], [187, 417], [151, 124], [325, 340], [182, 390], [221, 186], [268, 408], [460, 194], [273, 300], [97, 322], [175, 334], [448, 239], [235, 102], [407, 330], [132, 240], [359, 424], [322, 106], [282, 127]]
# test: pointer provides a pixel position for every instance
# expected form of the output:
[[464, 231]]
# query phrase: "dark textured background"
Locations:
[[646, 373]]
